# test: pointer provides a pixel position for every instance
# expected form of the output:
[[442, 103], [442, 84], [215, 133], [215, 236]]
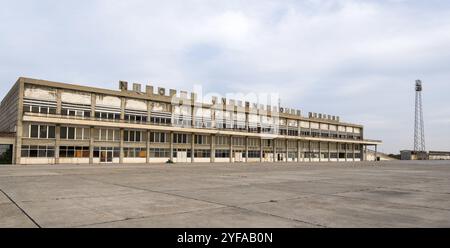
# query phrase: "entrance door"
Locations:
[[106, 156], [103, 156], [109, 156]]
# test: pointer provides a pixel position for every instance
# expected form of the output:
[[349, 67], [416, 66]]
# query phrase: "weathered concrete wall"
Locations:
[[9, 110], [76, 97], [40, 92]]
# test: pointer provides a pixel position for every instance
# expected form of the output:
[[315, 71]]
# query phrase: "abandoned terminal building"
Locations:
[[43, 122]]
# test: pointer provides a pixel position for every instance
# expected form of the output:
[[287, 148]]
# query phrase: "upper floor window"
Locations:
[[107, 135], [135, 118], [75, 112], [75, 133], [159, 137], [202, 139], [41, 132], [39, 109], [181, 138], [132, 136], [107, 116]]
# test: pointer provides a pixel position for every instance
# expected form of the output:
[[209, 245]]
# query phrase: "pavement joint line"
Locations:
[[148, 216], [211, 202], [23, 211]]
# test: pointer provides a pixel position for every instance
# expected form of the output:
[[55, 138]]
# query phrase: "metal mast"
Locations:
[[419, 133]]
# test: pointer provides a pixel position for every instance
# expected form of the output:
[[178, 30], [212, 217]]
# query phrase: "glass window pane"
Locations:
[[43, 132], [110, 135], [79, 132], [51, 132], [34, 131], [71, 133]]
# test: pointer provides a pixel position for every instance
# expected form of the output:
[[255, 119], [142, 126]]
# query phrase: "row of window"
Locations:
[[75, 133], [39, 109]]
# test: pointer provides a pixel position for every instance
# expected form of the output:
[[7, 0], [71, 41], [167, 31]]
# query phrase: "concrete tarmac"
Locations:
[[365, 194]]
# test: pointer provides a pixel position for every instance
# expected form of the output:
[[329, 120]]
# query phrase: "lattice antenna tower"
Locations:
[[419, 133]]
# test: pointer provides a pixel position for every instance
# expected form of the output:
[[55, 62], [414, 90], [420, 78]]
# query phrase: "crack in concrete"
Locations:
[[21, 209]]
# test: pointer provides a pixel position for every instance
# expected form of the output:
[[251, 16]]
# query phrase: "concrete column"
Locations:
[[58, 102], [376, 152], [329, 151], [338, 146], [346, 148], [261, 150], [213, 148], [122, 154], [246, 149], [192, 147], [57, 142], [364, 154], [93, 104], [299, 156], [310, 151], [122, 108], [274, 145], [320, 151], [149, 110], [91, 146], [231, 149], [171, 146], [147, 160], [287, 150]]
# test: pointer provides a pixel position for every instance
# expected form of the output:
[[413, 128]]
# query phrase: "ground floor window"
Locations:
[[159, 153], [6, 154], [203, 153], [135, 152], [222, 153], [292, 154], [74, 151], [38, 151], [254, 154], [113, 151]]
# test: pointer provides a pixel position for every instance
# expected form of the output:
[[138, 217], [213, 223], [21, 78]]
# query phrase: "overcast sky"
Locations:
[[355, 59]]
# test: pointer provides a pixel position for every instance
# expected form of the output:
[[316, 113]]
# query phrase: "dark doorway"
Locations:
[[6, 154]]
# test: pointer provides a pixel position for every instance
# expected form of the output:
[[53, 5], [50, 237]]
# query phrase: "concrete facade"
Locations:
[[58, 123]]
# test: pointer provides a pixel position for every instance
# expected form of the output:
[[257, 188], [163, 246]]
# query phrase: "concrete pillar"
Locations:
[[192, 148], [310, 151], [376, 152], [171, 146], [365, 153], [329, 151], [213, 148], [93, 105], [58, 102], [320, 151], [121, 146], [122, 108], [147, 159], [287, 150], [261, 151], [57, 142], [299, 156], [338, 145], [231, 149], [91, 146], [246, 149], [274, 145]]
